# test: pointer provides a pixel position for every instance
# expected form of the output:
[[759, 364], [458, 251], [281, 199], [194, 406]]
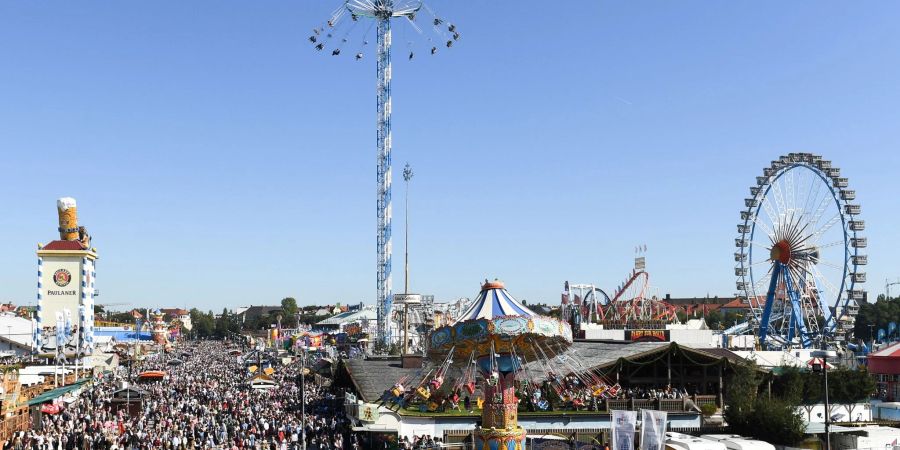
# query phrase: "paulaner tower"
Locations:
[[66, 272]]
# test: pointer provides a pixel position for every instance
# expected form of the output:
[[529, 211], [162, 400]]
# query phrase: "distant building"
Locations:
[[681, 301], [884, 366], [741, 305], [182, 315], [363, 321]]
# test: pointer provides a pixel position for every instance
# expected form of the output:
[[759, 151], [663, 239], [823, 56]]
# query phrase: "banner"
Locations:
[[623, 426], [653, 430], [368, 412], [647, 335]]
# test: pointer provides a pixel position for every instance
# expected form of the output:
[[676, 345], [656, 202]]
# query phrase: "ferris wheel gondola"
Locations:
[[798, 260]]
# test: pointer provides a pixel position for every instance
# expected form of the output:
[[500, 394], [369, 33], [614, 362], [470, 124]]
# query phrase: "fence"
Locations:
[[659, 404], [559, 439]]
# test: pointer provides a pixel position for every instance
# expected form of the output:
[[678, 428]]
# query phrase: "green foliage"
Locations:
[[708, 409], [789, 386], [203, 324], [226, 324], [716, 320], [289, 312], [777, 421], [742, 389], [807, 387], [878, 314]]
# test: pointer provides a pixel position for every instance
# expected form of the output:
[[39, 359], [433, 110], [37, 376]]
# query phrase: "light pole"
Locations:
[[824, 355], [407, 175], [303, 395]]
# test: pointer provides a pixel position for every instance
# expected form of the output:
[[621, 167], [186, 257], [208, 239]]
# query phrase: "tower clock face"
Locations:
[[62, 277]]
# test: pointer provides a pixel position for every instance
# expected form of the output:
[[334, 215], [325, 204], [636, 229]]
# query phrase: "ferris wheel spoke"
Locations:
[[791, 195], [825, 227], [831, 244], [830, 264], [813, 197], [821, 207], [766, 228], [832, 290], [771, 211], [779, 198]]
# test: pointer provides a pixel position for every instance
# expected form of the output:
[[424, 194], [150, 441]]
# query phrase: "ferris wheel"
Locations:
[[798, 261]]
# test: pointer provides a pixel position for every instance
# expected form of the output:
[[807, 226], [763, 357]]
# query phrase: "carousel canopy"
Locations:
[[494, 301]]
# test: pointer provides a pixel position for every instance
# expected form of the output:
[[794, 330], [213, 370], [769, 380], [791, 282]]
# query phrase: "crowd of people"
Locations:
[[204, 401]]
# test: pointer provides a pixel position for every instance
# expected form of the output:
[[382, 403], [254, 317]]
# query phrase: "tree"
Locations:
[[226, 324], [789, 385], [289, 312], [777, 421], [203, 324], [714, 319], [876, 316], [743, 385]]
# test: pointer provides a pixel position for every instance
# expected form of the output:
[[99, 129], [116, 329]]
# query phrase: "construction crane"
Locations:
[[887, 287]]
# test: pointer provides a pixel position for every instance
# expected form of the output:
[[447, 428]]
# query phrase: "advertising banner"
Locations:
[[653, 430], [623, 426]]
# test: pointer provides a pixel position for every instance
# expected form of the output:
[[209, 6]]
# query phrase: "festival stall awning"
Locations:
[[56, 393]]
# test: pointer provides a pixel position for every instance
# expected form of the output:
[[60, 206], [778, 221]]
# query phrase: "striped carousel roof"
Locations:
[[494, 301]]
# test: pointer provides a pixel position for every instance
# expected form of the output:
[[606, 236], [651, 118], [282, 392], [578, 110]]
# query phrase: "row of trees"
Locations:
[[778, 419], [876, 316]]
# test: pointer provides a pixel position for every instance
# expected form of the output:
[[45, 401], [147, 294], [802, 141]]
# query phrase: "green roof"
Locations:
[[52, 394]]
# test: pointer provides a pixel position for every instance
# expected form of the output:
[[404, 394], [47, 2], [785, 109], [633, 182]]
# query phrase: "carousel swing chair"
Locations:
[[467, 380], [398, 390], [494, 377], [426, 389], [597, 386]]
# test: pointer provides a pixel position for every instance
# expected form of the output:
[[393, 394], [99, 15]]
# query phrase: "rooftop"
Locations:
[[352, 316], [63, 245], [891, 351]]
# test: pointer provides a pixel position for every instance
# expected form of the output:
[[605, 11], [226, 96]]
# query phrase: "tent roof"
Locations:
[[52, 394], [494, 301]]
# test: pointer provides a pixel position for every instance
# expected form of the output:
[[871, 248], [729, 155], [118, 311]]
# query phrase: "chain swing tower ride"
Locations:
[[335, 35]]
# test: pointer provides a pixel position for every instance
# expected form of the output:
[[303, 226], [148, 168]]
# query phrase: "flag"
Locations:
[[60, 327], [653, 430], [68, 327], [35, 336], [623, 426]]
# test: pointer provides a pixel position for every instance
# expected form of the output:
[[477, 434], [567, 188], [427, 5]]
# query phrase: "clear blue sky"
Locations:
[[218, 160]]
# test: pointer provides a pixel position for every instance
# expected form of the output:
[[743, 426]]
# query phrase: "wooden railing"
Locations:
[[660, 404], [14, 424]]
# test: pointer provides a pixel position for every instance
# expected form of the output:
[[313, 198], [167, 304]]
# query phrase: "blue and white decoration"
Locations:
[[495, 301]]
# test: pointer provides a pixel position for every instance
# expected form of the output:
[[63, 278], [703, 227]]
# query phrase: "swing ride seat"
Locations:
[[397, 391], [436, 383], [598, 390], [423, 392], [470, 387]]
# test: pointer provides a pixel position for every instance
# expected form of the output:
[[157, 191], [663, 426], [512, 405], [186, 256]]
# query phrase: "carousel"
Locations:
[[503, 349]]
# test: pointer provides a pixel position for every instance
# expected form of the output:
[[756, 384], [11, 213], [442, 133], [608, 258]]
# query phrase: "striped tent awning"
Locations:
[[494, 301]]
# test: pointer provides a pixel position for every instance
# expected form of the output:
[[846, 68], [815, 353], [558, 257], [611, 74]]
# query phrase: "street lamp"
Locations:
[[824, 355]]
